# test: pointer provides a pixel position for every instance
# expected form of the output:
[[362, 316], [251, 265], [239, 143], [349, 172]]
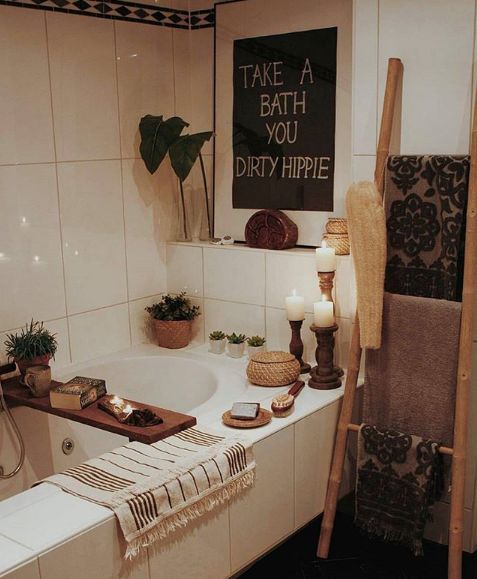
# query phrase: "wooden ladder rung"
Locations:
[[442, 449]]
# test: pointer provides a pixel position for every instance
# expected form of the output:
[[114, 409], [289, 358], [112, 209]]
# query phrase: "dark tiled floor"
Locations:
[[353, 556]]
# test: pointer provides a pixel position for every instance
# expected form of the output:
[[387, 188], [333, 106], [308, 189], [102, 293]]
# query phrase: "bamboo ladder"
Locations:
[[458, 452]]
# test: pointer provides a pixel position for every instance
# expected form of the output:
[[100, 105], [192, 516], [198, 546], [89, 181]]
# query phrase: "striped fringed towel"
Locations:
[[155, 489]]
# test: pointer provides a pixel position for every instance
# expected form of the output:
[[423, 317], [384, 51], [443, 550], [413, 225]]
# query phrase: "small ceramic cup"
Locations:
[[235, 350], [217, 346], [252, 350], [38, 380]]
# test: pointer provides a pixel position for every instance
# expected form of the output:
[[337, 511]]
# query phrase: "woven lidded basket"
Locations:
[[337, 225], [340, 241], [173, 334], [273, 369]]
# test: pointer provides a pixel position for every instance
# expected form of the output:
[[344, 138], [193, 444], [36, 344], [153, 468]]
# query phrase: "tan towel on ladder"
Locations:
[[410, 382], [367, 231]]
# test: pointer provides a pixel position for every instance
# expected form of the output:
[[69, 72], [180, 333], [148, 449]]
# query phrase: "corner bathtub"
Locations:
[[64, 536]]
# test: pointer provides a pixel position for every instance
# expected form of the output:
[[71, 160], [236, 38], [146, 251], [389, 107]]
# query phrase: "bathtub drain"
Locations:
[[67, 446]]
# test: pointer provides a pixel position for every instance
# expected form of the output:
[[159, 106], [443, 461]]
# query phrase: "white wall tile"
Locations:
[[25, 114], [365, 71], [145, 78], [201, 551], [60, 328], [97, 554], [93, 234], [149, 219], [231, 317], [234, 275], [363, 167], [287, 271], [98, 333], [434, 39], [27, 571], [142, 331], [313, 454], [267, 509], [345, 287], [31, 269], [185, 269], [84, 87]]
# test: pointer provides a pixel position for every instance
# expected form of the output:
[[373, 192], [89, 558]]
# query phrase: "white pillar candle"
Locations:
[[295, 307], [325, 258], [324, 316]]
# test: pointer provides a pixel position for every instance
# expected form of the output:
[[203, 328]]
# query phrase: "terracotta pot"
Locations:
[[173, 334], [37, 361]]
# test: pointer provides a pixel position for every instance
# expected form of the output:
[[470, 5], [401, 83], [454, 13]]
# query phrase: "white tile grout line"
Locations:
[[126, 273], [60, 224]]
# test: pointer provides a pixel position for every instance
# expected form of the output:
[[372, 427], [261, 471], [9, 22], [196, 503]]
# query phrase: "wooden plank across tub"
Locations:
[[18, 395]]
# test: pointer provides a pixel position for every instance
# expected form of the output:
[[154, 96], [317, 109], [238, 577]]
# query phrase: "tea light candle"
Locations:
[[324, 316], [128, 408], [116, 400], [295, 307], [325, 258]]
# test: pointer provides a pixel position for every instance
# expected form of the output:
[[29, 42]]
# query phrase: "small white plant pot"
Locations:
[[217, 346], [252, 350], [235, 350]]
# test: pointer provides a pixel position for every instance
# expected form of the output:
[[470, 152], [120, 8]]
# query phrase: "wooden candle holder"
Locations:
[[325, 375], [296, 345], [326, 281]]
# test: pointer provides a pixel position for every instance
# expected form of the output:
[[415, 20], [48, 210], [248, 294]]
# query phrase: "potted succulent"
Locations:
[[172, 318], [34, 345], [255, 345], [236, 345], [217, 342]]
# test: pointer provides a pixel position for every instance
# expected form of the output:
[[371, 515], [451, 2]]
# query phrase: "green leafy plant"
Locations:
[[216, 335], [160, 137], [255, 341], [34, 340], [236, 338], [173, 308]]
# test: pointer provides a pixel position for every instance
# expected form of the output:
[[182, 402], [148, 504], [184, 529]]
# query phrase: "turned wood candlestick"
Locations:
[[324, 376], [326, 281], [296, 345]]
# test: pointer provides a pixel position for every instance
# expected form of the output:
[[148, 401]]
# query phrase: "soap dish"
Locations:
[[264, 417]]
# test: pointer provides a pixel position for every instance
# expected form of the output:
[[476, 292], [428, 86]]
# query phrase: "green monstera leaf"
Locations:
[[157, 136], [184, 152]]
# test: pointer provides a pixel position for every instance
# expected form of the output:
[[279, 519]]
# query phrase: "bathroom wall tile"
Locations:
[[25, 115], [181, 40], [230, 317], [288, 271], [149, 218], [84, 87], [31, 269], [345, 287], [311, 475], [36, 529], [201, 551], [198, 326], [194, 193], [365, 72], [98, 333], [142, 331], [97, 554], [145, 78], [14, 555], [279, 333], [268, 507], [93, 234], [363, 167], [62, 356], [29, 570], [343, 341], [432, 37], [185, 269], [234, 275]]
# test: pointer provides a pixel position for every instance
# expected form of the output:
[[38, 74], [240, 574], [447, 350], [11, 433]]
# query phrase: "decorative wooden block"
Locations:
[[271, 229]]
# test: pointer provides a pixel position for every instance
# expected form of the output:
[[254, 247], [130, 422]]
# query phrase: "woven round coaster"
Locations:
[[264, 417]]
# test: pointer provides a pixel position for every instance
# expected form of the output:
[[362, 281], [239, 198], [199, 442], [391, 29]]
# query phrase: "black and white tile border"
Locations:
[[128, 11]]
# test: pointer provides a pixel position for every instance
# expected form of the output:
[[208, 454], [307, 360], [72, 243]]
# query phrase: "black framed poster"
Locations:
[[284, 106]]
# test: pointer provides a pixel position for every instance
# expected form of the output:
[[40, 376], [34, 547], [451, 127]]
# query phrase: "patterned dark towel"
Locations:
[[425, 202], [399, 478]]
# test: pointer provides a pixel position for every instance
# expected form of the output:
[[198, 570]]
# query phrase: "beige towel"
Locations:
[[411, 380], [367, 231]]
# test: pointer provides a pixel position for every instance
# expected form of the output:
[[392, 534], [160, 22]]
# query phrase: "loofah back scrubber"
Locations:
[[367, 232]]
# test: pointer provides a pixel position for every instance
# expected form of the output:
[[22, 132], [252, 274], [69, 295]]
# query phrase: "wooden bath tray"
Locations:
[[18, 395]]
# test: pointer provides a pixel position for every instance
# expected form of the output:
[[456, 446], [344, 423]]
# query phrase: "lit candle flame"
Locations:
[[128, 408], [116, 400], [323, 298], [323, 243], [294, 293]]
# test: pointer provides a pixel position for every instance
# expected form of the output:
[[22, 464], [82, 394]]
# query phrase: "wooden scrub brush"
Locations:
[[283, 404]]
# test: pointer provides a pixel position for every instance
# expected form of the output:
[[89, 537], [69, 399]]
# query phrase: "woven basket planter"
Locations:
[[273, 369], [337, 225], [340, 241], [173, 334]]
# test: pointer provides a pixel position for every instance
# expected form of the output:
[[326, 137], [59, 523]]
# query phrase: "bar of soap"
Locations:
[[245, 410]]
